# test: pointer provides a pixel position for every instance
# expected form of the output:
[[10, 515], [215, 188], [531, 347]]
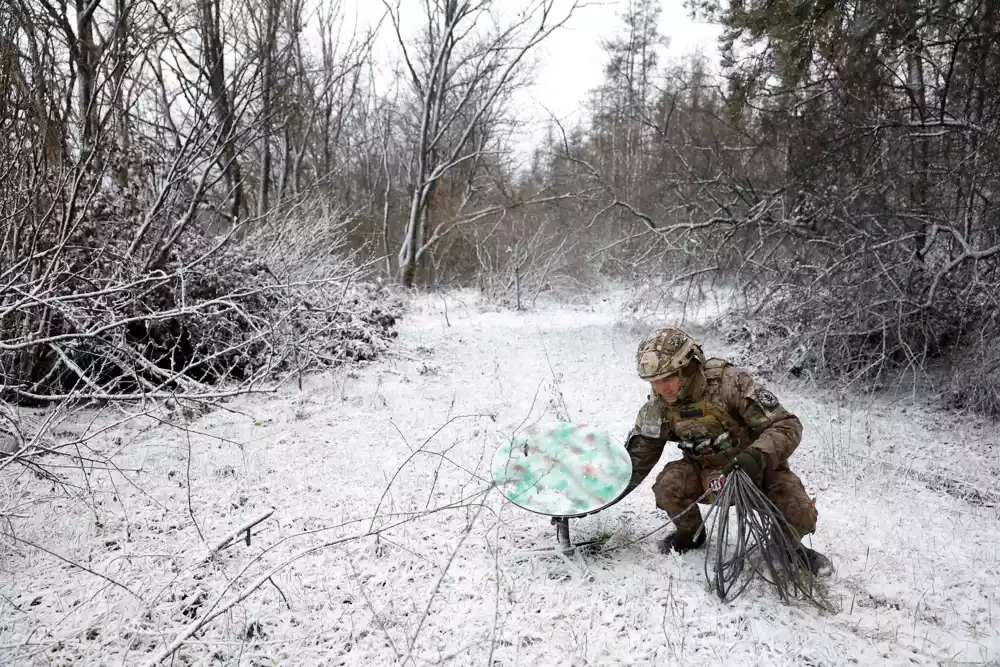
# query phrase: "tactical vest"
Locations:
[[710, 435]]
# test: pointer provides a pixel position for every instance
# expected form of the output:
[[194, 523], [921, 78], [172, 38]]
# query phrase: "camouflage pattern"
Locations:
[[679, 485], [665, 352], [724, 412]]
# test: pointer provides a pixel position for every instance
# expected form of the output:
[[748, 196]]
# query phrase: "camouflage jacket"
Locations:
[[726, 411]]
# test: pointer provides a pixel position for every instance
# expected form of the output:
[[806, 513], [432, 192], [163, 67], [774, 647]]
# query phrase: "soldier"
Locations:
[[722, 420]]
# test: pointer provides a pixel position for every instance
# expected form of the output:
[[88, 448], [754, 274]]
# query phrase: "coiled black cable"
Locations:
[[762, 542]]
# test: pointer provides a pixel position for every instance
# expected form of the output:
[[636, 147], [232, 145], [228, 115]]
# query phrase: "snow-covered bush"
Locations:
[[89, 313]]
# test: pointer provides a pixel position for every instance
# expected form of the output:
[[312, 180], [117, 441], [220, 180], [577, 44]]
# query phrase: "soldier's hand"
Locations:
[[751, 461]]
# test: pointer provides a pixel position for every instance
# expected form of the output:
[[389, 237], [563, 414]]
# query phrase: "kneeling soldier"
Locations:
[[723, 420]]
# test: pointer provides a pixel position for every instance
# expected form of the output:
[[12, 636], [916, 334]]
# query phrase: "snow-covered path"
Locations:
[[409, 438]]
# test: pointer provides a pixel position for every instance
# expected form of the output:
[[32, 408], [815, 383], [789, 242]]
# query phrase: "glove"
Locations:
[[752, 461]]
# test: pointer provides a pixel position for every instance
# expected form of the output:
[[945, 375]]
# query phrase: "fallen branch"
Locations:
[[232, 536]]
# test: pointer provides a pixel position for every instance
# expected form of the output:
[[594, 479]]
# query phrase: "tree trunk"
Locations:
[[212, 50], [411, 241], [919, 145], [86, 64], [267, 76], [286, 162], [118, 77]]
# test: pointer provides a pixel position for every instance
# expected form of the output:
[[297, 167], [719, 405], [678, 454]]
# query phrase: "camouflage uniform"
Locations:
[[719, 413]]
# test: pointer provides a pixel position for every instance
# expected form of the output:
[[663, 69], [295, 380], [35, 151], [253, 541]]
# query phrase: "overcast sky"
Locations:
[[574, 60], [571, 60]]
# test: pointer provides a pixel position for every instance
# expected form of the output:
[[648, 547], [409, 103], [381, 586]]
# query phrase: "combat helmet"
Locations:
[[666, 351]]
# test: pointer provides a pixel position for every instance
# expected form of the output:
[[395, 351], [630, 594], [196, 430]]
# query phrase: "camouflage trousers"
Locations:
[[678, 486]]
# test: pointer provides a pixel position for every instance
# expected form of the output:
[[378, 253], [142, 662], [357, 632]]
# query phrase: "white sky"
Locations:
[[571, 59], [574, 60]]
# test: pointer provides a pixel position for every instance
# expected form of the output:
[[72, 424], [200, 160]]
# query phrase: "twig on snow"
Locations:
[[230, 537], [76, 565], [437, 586]]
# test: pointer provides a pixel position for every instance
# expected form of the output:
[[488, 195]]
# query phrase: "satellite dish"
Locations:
[[561, 469]]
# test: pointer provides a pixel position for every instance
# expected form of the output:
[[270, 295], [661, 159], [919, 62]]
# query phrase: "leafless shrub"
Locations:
[[526, 257]]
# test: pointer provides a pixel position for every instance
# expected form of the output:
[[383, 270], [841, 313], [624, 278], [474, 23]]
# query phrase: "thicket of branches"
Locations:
[[154, 157], [839, 174], [882, 239]]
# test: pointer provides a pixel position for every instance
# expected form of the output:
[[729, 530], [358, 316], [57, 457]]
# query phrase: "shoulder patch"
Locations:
[[765, 398], [649, 421]]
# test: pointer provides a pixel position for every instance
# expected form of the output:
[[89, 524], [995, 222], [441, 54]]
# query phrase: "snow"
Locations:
[[401, 447]]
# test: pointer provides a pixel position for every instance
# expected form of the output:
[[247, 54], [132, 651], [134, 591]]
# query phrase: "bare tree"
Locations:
[[461, 69], [213, 64], [268, 53]]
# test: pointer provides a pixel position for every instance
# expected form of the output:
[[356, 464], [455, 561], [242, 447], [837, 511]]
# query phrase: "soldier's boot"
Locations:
[[818, 564], [677, 489], [681, 542]]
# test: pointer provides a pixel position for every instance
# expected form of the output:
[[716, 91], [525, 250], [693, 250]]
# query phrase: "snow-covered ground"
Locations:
[[387, 544]]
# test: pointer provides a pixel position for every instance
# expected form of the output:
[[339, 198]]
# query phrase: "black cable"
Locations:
[[760, 531]]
